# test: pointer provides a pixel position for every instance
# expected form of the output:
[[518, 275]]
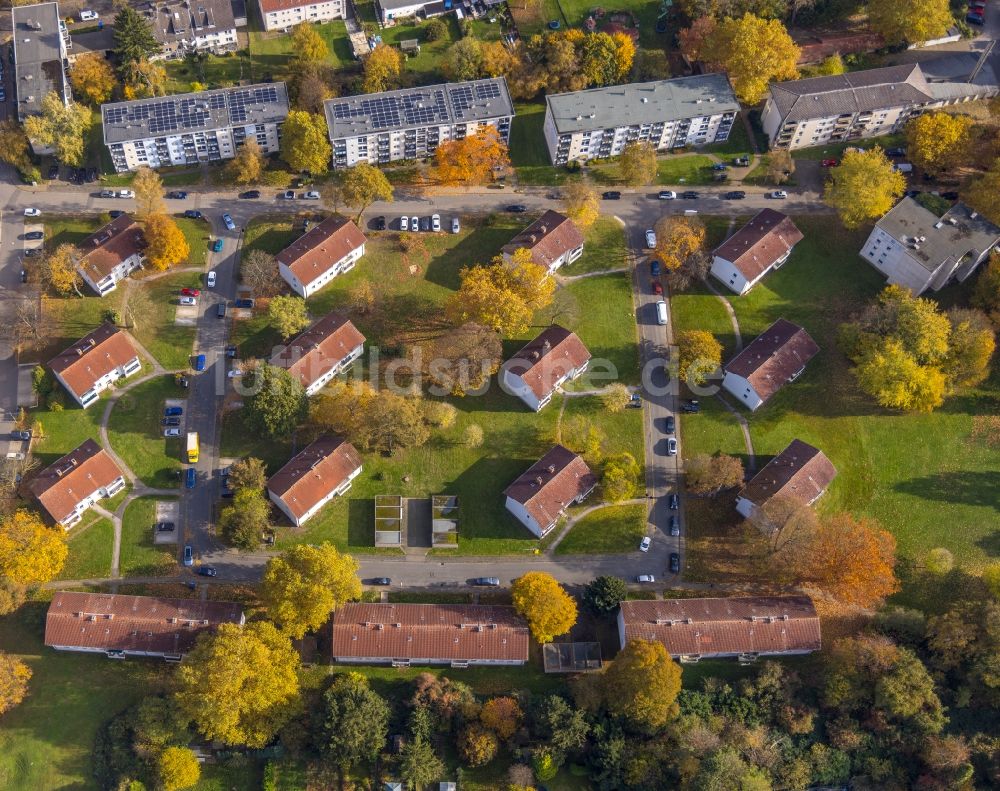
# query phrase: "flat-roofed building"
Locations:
[[460, 635], [41, 45], [317, 474], [189, 128], [745, 627], [800, 473], [553, 241], [281, 14], [542, 365], [539, 497], [326, 250], [95, 362], [324, 350], [121, 626], [600, 122], [184, 26], [411, 123], [72, 484], [111, 253], [773, 359], [759, 247]]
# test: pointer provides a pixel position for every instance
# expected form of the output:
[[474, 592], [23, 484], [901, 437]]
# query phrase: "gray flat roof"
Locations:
[[194, 112], [959, 234], [38, 66], [642, 103], [432, 105]]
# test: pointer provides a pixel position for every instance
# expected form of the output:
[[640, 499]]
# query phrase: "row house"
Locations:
[[326, 250], [95, 363], [70, 486]]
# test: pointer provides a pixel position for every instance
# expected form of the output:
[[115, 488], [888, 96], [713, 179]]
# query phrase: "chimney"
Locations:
[[552, 469], [546, 346], [538, 480]]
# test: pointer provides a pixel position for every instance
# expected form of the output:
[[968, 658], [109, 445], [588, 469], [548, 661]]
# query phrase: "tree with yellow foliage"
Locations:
[[863, 186], [544, 604], [677, 239], [165, 242], [607, 59], [305, 144], [61, 127], [530, 280], [14, 678], [93, 78], [57, 271], [753, 52], [477, 159], [497, 60], [486, 297], [910, 21], [581, 203], [382, 68], [938, 141], [983, 194], [247, 165], [30, 552], [307, 44], [641, 685], [362, 185], [148, 188], [502, 715], [177, 768], [699, 356], [637, 164]]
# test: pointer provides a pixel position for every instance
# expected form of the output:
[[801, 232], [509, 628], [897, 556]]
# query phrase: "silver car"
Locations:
[[435, 222]]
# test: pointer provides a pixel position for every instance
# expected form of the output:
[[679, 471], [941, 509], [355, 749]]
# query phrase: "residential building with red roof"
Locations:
[[773, 359], [95, 362], [800, 473], [328, 249], [281, 14], [541, 495], [72, 484], [535, 372], [109, 254], [324, 350], [759, 247], [745, 627], [459, 635], [120, 626], [320, 472], [553, 241]]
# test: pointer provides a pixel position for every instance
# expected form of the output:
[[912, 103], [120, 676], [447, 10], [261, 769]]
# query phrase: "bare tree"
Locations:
[[259, 273]]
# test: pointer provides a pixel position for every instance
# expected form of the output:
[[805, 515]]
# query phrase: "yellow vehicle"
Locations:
[[192, 447]]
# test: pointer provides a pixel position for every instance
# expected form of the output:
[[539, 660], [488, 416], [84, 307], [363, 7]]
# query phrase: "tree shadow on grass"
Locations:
[[479, 489], [975, 488], [476, 248], [934, 594], [361, 522]]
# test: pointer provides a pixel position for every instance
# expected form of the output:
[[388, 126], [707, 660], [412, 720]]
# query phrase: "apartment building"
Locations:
[[328, 347], [600, 122], [183, 26], [74, 483], [190, 128], [282, 14], [411, 123], [863, 104], [553, 240], [555, 356], [41, 44], [320, 472], [759, 247], [539, 497], [800, 473], [95, 362], [328, 249], [773, 359], [109, 254]]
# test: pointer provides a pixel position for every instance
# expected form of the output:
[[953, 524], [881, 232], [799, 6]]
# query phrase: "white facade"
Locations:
[[110, 281], [281, 18], [743, 390], [390, 10], [298, 521], [836, 128], [726, 272], [191, 148], [427, 660], [106, 382], [566, 258], [514, 384], [345, 264], [397, 144], [321, 382], [91, 499], [521, 514], [216, 41]]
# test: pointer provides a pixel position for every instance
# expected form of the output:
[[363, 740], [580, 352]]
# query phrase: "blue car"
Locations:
[[654, 267], [229, 222], [188, 555], [194, 214], [217, 246], [173, 411], [199, 362], [189, 478]]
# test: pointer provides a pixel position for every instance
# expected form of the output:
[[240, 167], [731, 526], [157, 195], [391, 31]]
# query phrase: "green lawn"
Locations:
[[90, 547], [67, 428], [529, 154], [836, 150], [600, 310], [616, 528], [137, 436], [604, 249], [197, 236], [699, 309], [577, 11], [169, 343], [67, 229], [139, 556]]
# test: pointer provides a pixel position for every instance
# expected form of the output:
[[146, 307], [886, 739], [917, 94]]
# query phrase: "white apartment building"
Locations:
[[328, 249], [41, 43], [863, 104], [543, 365], [111, 253], [411, 123], [190, 128], [183, 26], [327, 348], [539, 497], [600, 122], [95, 362], [81, 478], [320, 472], [553, 241], [282, 14]]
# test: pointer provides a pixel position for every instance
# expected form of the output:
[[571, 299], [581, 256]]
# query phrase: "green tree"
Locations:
[[641, 685], [910, 21], [619, 480], [864, 186], [278, 404], [637, 164], [419, 765], [562, 727], [304, 584], [61, 127], [616, 397], [177, 768], [239, 685], [544, 604], [356, 721], [307, 44], [134, 39], [436, 29], [288, 315], [986, 294], [242, 523], [604, 594], [362, 185], [464, 60], [305, 145], [249, 473], [709, 475]]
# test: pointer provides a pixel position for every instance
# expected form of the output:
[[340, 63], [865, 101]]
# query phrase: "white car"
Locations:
[[404, 223], [456, 226], [644, 545], [645, 578], [435, 222], [667, 195], [672, 446], [210, 280], [88, 16], [311, 195], [189, 301], [414, 223], [172, 432], [650, 239], [235, 373], [32, 212], [779, 194], [126, 194]]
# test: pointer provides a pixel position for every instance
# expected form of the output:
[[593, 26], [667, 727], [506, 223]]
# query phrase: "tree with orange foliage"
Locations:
[[473, 160], [692, 39], [677, 239], [852, 560], [502, 716]]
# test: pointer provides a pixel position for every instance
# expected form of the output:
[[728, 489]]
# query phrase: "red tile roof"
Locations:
[[78, 474], [320, 348], [744, 625], [548, 358], [108, 621], [549, 237], [756, 246], [107, 247], [774, 357], [314, 473], [313, 253], [552, 483], [800, 472], [442, 632], [93, 356]]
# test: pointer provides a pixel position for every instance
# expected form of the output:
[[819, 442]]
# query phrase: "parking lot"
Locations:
[[166, 511]]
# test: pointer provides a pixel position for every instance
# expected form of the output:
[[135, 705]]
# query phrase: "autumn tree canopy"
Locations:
[[581, 202], [31, 553], [938, 141], [61, 127], [543, 603], [864, 186], [753, 52], [464, 358], [677, 239], [502, 296], [92, 78], [637, 164], [362, 185], [166, 245], [910, 21], [371, 419], [476, 159], [14, 678], [382, 68], [305, 144], [699, 356], [641, 685]]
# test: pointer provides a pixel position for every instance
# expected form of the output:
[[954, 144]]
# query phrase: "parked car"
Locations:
[[425, 224], [381, 581], [34, 235], [435, 222], [31, 254], [114, 214], [672, 446], [741, 161], [674, 502], [24, 275], [380, 223], [244, 303], [32, 212], [207, 571], [735, 195], [899, 151], [229, 222], [671, 424], [654, 267], [107, 193], [126, 194], [217, 246], [22, 435], [188, 301], [165, 527], [220, 310], [903, 167], [611, 195], [287, 195], [517, 208], [644, 544], [778, 194], [689, 195], [199, 362], [311, 195], [667, 195], [675, 526], [456, 226], [190, 477], [650, 239], [176, 195], [404, 223], [657, 287], [493, 582], [645, 578], [88, 16], [210, 279], [250, 194], [829, 163], [194, 214], [231, 352], [171, 421], [976, 17], [188, 550], [675, 563], [235, 373], [720, 166], [691, 407], [414, 223], [634, 401], [191, 292], [53, 174], [173, 411]]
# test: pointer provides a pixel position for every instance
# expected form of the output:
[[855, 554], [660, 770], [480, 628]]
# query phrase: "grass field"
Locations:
[[90, 546], [137, 436], [616, 528], [139, 556], [65, 429], [607, 234]]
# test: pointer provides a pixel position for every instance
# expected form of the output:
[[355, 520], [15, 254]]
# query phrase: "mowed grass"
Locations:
[[137, 435], [615, 528], [90, 547], [604, 249], [65, 429], [600, 310], [139, 556]]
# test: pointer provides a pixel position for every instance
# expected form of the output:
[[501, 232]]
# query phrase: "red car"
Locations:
[[191, 292], [657, 287], [829, 163]]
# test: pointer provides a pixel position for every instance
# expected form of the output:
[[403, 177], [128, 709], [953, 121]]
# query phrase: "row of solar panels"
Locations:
[[190, 112]]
